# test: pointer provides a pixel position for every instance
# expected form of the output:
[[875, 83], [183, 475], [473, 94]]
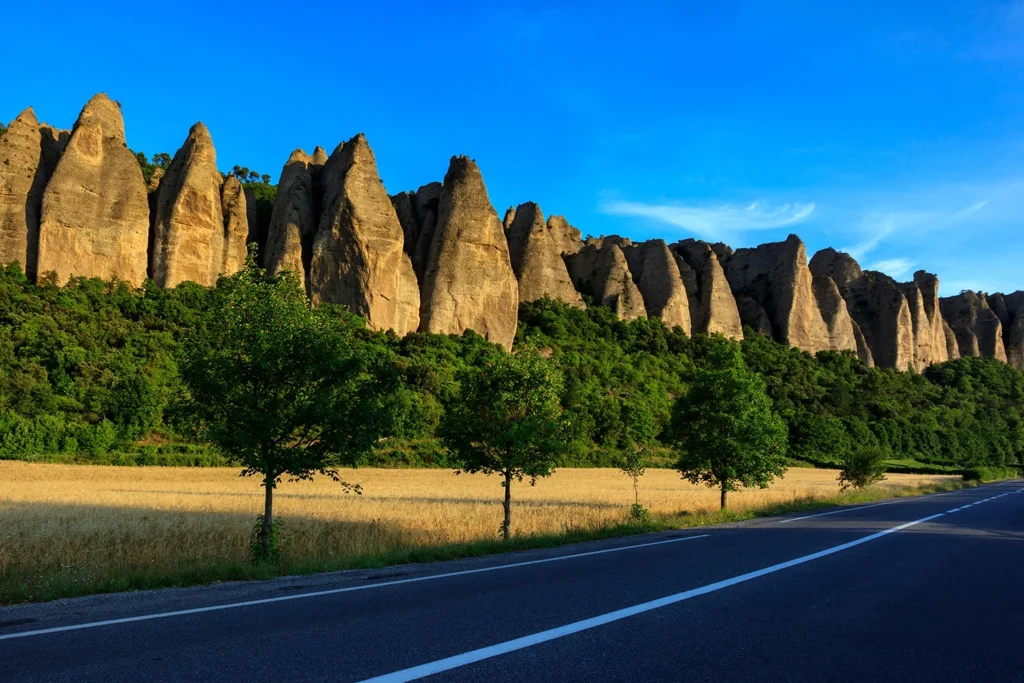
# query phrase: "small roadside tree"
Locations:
[[507, 419], [280, 388], [638, 431], [862, 467], [725, 429]]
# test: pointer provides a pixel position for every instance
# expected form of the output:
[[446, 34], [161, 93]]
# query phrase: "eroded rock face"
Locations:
[[977, 328], [469, 282], [95, 215], [357, 258], [657, 276], [535, 254], [188, 230], [569, 238], [876, 304], [1008, 308], [929, 338], [776, 276], [842, 330], [28, 155], [294, 220], [510, 216], [952, 347], [417, 212], [601, 271], [713, 309], [236, 226]]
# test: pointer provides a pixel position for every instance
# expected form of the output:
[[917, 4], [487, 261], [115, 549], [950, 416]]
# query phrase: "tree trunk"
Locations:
[[724, 492], [636, 492], [268, 515], [506, 526]]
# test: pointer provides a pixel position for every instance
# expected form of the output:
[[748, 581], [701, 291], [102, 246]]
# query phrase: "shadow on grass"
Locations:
[[393, 546]]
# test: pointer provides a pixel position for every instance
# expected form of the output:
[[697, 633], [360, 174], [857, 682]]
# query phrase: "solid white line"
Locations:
[[335, 591], [449, 663], [836, 512]]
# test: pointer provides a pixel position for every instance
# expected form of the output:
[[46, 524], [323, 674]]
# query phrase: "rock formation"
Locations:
[[28, 155], [843, 332], [977, 328], [712, 306], [510, 216], [417, 212], [657, 276], [878, 306], [188, 229], [776, 277], [570, 239], [468, 282], [601, 271], [535, 250], [357, 257], [95, 215], [294, 220], [1008, 308], [235, 224], [929, 338]]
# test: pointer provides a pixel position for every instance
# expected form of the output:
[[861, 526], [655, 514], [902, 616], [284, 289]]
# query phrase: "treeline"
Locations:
[[90, 371]]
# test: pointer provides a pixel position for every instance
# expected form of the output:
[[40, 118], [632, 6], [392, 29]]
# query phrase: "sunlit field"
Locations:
[[67, 524]]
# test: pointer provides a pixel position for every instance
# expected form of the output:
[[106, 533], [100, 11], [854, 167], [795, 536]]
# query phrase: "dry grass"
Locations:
[[66, 525]]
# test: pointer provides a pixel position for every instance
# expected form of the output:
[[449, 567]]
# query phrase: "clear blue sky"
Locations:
[[894, 130]]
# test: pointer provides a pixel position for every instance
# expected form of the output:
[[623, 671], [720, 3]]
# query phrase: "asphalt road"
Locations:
[[920, 589]]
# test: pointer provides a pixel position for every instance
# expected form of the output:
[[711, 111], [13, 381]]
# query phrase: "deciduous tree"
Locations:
[[724, 428], [507, 420]]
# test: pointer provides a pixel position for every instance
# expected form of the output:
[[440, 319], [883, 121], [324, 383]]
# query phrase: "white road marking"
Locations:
[[335, 591], [836, 512], [449, 663], [949, 512]]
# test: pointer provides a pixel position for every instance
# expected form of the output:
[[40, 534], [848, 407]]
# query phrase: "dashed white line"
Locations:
[[460, 660], [335, 591], [836, 512]]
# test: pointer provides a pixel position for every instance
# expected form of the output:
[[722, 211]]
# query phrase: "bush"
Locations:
[[983, 474], [862, 467]]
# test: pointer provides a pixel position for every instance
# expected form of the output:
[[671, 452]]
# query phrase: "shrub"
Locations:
[[862, 467]]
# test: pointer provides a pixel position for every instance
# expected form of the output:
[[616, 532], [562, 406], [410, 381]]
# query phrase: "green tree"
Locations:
[[283, 389], [725, 429], [506, 419], [862, 467]]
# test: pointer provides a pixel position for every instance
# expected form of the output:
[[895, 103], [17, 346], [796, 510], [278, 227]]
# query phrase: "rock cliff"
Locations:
[[535, 250], [468, 282], [294, 219], [188, 228], [776, 278], [95, 215], [600, 270], [236, 225], [713, 307], [654, 270], [357, 256], [1008, 308], [29, 152], [977, 328]]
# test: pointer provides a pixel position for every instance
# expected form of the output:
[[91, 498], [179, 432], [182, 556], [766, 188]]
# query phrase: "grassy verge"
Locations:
[[77, 581]]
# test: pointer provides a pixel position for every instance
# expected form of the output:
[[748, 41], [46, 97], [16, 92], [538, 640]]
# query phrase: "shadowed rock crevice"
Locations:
[[600, 271]]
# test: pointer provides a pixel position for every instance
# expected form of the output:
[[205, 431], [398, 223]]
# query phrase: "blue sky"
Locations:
[[894, 130]]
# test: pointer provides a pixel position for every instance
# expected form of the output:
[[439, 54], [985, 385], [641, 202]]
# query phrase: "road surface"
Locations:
[[918, 589]]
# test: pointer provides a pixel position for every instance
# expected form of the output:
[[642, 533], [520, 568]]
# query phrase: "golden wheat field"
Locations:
[[62, 521]]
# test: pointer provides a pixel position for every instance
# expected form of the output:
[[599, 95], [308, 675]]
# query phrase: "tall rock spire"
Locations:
[[358, 260], [28, 155], [188, 229], [95, 216], [469, 282]]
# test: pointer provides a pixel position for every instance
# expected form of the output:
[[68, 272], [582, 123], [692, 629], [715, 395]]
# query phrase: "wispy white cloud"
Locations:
[[714, 222], [894, 267]]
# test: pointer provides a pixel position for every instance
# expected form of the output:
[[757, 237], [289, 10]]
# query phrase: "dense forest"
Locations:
[[89, 372]]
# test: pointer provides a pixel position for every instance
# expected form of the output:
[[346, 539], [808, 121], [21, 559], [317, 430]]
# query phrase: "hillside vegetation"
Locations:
[[89, 373]]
